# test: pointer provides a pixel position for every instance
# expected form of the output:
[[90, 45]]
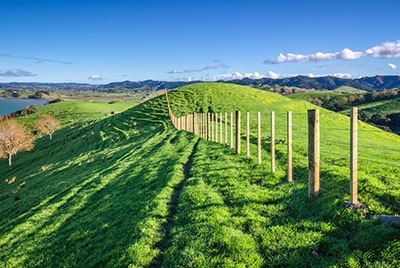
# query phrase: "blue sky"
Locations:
[[103, 41]]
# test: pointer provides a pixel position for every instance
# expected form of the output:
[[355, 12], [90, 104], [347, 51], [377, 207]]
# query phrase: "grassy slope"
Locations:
[[345, 89], [70, 112], [385, 106], [109, 199], [315, 94], [233, 212], [95, 194]]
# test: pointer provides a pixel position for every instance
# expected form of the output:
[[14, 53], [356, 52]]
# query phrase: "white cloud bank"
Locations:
[[269, 74], [385, 50], [95, 77], [392, 66]]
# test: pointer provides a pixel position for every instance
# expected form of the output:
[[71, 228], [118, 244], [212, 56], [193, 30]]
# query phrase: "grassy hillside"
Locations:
[[383, 113], [130, 190], [345, 89], [382, 106], [71, 112]]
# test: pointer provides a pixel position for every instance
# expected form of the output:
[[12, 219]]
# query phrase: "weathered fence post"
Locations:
[[212, 126], [220, 128], [248, 134], [272, 141], [231, 126], [226, 128], [313, 153], [289, 147], [208, 126], [202, 129], [194, 123], [238, 132], [259, 137], [216, 127], [354, 156]]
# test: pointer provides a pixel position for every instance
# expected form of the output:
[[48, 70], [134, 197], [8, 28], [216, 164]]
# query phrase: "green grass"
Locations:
[[381, 106], [77, 111], [316, 94], [129, 190], [346, 89]]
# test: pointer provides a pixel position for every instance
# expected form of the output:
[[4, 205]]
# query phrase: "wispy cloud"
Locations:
[[36, 59], [214, 65], [392, 66], [385, 50], [95, 77], [16, 73]]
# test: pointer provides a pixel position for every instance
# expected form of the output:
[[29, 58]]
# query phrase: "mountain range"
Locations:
[[377, 82]]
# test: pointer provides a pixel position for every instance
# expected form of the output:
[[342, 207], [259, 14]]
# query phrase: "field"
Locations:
[[86, 95], [382, 106], [130, 190], [317, 94], [74, 111]]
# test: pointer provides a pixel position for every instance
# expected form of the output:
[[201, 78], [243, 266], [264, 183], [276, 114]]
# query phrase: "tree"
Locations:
[[13, 139], [48, 124]]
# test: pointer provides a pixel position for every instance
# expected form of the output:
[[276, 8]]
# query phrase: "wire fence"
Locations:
[[332, 154]]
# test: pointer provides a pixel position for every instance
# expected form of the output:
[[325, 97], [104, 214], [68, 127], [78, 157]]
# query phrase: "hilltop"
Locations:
[[130, 190]]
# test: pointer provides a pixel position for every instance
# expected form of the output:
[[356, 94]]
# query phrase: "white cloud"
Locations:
[[235, 75], [183, 71], [95, 77], [214, 65], [348, 54], [312, 75], [183, 79], [16, 73], [385, 50], [392, 66], [272, 75]]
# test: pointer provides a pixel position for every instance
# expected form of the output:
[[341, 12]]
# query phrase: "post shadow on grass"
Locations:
[[20, 213], [347, 236], [122, 204], [97, 167]]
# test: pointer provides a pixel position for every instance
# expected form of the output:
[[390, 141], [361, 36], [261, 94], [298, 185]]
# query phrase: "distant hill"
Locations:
[[327, 82]]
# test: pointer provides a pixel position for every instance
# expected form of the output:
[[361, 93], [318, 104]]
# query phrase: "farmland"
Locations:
[[129, 189]]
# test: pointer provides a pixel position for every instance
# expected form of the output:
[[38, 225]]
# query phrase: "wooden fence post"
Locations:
[[259, 137], [202, 125], [289, 147], [238, 132], [216, 127], [226, 128], [220, 128], [208, 126], [194, 123], [248, 134], [354, 156], [212, 126], [231, 126], [272, 141], [313, 153]]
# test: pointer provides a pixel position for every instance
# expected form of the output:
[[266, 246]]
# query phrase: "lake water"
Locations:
[[11, 105]]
